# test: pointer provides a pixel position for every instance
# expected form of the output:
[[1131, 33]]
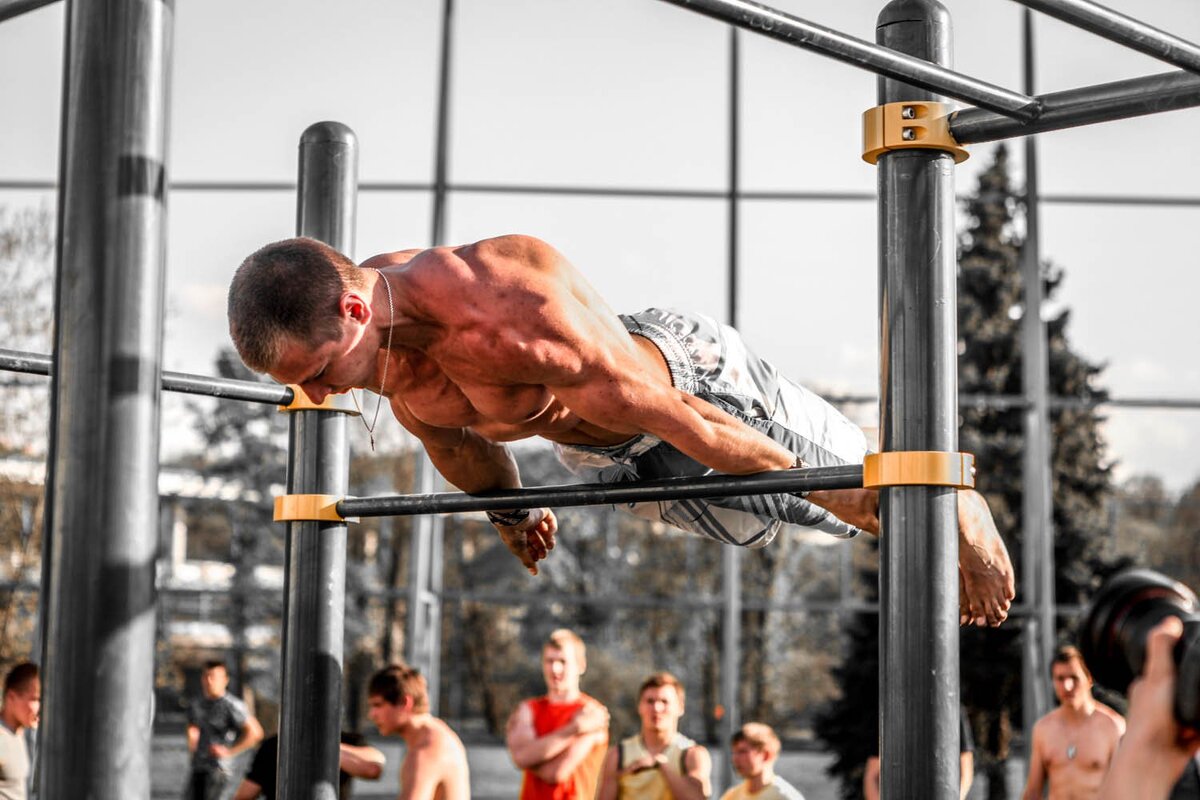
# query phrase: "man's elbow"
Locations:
[[521, 760]]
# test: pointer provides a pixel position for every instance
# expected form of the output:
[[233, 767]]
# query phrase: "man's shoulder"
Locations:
[[784, 790]]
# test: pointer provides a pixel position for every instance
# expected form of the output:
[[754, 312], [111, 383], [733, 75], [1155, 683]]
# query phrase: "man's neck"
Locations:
[[658, 739], [761, 781], [10, 721], [564, 695], [412, 730], [1077, 712]]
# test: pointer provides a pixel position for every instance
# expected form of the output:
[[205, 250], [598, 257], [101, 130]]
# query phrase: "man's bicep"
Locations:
[[519, 730]]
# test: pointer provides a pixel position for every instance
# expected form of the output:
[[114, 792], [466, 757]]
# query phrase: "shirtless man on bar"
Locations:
[[478, 345]]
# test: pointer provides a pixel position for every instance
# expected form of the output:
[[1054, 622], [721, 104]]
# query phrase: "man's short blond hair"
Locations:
[[758, 735], [567, 639]]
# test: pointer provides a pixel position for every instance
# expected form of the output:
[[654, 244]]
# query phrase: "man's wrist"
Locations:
[[508, 518]]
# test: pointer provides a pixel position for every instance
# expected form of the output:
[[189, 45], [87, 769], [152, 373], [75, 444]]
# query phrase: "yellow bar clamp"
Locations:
[[309, 508], [919, 468], [916, 124], [333, 402]]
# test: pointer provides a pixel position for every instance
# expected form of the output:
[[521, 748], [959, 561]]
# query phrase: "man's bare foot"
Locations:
[[985, 572]]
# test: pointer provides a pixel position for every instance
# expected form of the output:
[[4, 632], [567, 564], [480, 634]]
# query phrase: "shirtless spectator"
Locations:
[[1074, 743], [483, 344], [435, 761], [559, 739]]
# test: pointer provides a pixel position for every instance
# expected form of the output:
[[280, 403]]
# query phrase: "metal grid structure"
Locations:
[[105, 454]]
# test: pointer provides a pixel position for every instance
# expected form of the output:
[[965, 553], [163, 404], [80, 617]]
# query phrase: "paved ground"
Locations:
[[493, 776]]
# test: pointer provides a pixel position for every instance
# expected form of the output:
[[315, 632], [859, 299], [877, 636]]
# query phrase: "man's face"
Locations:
[[25, 704], [749, 761], [387, 717], [1071, 683], [214, 681], [660, 709], [347, 361], [560, 668]]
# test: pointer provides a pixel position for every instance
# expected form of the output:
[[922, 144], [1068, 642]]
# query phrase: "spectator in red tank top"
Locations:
[[559, 739]]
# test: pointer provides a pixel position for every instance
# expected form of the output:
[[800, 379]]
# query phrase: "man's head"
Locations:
[[564, 660], [660, 702], [294, 292], [23, 695], [394, 694], [754, 749], [214, 679], [1072, 680]]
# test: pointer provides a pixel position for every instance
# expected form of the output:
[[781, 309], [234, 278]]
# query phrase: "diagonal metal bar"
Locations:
[[1133, 97], [602, 494], [15, 8], [1119, 28], [182, 382], [771, 22]]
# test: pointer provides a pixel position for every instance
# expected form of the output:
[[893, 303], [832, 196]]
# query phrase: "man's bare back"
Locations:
[[435, 763], [1074, 752], [478, 345]]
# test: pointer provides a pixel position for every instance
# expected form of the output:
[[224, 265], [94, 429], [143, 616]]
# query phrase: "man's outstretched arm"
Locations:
[[475, 464]]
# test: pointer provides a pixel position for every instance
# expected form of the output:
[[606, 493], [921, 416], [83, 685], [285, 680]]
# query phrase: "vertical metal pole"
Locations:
[[422, 640], [732, 563], [315, 590], [919, 692], [1036, 499], [441, 159], [102, 527]]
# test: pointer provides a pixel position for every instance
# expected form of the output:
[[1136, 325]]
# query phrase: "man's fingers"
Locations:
[[1160, 661]]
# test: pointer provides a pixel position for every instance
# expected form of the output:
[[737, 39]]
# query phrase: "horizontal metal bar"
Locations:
[[1120, 200], [182, 382], [761, 19], [769, 195], [231, 389], [1017, 401], [596, 494], [1133, 97], [15, 8], [1119, 28]]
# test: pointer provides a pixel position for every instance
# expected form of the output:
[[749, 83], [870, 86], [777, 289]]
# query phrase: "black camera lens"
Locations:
[[1118, 622]]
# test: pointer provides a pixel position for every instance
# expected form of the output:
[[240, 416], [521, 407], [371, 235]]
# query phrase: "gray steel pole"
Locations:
[[1133, 97], [102, 520], [767, 21], [1036, 503], [919, 692], [314, 612], [423, 629], [1119, 28], [731, 573], [422, 640]]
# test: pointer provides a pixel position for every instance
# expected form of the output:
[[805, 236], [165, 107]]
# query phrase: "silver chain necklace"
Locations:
[[387, 359]]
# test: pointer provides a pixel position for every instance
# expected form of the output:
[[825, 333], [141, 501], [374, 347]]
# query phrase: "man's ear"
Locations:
[[353, 305]]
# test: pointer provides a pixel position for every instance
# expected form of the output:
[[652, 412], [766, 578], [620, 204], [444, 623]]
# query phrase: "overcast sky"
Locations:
[[633, 93]]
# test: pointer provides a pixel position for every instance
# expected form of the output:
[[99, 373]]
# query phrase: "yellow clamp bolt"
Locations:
[[919, 468], [916, 124], [309, 508], [333, 402]]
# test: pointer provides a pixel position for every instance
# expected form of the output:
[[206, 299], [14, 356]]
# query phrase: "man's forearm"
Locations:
[[536, 752]]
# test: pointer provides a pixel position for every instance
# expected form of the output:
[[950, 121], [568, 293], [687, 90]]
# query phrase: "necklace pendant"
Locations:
[[371, 435], [1070, 752]]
